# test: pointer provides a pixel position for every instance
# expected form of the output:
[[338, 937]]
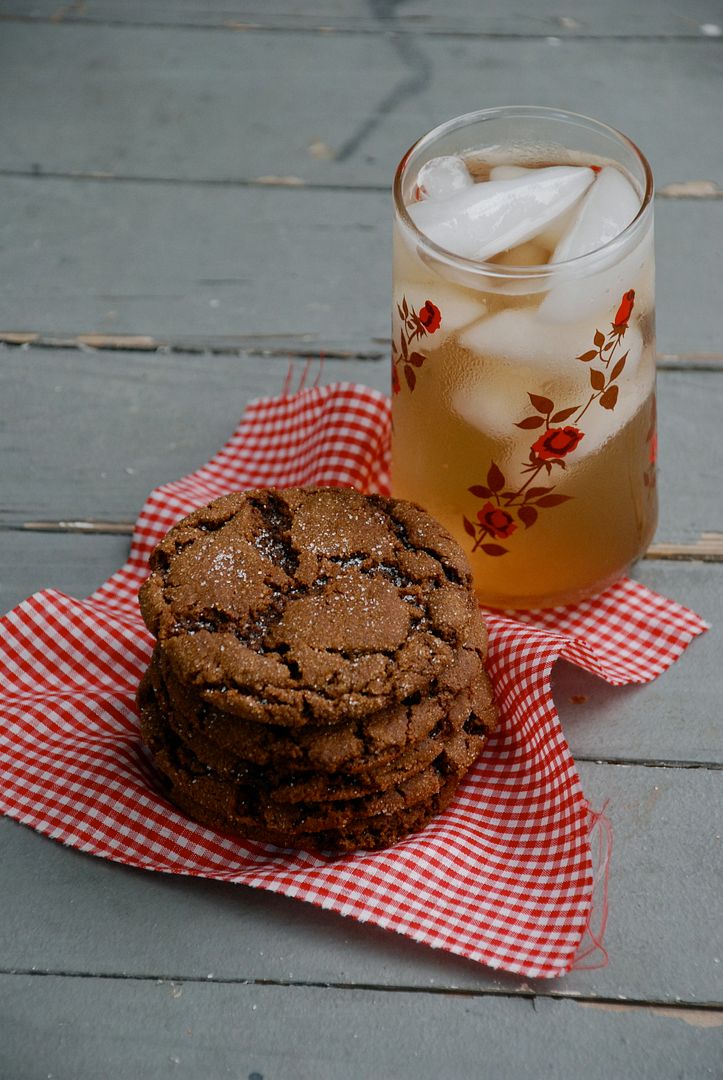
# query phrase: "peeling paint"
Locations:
[[319, 150], [281, 181], [708, 546], [691, 189], [698, 1018]]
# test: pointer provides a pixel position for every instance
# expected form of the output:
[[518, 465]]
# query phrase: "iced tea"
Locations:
[[523, 366]]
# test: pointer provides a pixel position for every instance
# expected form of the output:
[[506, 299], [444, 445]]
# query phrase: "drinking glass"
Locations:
[[523, 377]]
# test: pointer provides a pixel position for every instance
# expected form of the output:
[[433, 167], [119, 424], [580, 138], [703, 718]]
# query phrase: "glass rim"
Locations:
[[542, 270]]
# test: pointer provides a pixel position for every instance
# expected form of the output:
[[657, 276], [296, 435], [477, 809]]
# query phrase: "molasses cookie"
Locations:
[[319, 673], [240, 806], [303, 606], [281, 782], [352, 746]]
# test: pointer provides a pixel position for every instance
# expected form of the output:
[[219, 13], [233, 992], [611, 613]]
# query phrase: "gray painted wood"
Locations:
[[169, 260], [146, 419], [205, 248], [613, 19], [689, 406], [95, 918], [282, 267], [673, 719], [149, 418], [159, 102], [87, 1028], [76, 564]]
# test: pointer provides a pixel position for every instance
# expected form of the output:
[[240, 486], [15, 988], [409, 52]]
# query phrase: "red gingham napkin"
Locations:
[[504, 877]]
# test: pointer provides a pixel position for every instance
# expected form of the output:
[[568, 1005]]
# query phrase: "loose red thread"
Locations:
[[599, 827]]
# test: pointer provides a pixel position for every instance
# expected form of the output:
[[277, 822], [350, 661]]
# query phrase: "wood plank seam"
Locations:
[[707, 548], [373, 26], [651, 763], [252, 346], [696, 190], [525, 991]]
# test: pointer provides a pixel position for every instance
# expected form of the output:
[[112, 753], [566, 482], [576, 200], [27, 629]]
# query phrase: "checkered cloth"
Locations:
[[505, 876]]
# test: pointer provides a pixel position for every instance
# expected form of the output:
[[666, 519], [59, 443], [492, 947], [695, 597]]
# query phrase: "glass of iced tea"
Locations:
[[523, 349]]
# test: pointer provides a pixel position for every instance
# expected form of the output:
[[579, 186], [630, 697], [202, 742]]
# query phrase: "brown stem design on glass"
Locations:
[[415, 324], [505, 510]]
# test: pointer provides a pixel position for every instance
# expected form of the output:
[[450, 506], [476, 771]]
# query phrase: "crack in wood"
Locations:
[[271, 345], [695, 190], [651, 763], [116, 528], [450, 27], [525, 989], [707, 548], [699, 1018], [285, 346], [415, 80]]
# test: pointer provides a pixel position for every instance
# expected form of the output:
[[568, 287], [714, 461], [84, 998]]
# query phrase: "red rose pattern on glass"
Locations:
[[415, 325], [505, 510]]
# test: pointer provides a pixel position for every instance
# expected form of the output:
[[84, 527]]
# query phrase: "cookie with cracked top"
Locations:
[[307, 605]]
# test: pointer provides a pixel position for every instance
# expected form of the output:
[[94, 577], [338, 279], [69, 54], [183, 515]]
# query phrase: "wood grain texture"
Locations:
[[240, 214], [212, 106], [663, 904], [87, 1028], [74, 564], [150, 418], [145, 420], [581, 17], [278, 267]]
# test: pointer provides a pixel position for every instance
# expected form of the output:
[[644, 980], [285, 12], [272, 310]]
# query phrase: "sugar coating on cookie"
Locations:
[[302, 605], [318, 679]]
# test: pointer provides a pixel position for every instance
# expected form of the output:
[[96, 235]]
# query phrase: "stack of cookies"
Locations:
[[318, 679]]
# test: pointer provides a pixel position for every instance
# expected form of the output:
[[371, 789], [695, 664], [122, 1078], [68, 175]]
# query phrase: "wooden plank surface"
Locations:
[[579, 17], [163, 103], [240, 214], [74, 563], [276, 267], [652, 724], [94, 918], [60, 1026], [150, 418], [676, 718]]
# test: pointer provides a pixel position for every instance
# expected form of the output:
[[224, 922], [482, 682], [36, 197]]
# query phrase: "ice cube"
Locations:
[[442, 176], [551, 236], [596, 296], [484, 406], [609, 206], [495, 215], [516, 357], [507, 172], [516, 335], [457, 308], [519, 356], [531, 253]]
